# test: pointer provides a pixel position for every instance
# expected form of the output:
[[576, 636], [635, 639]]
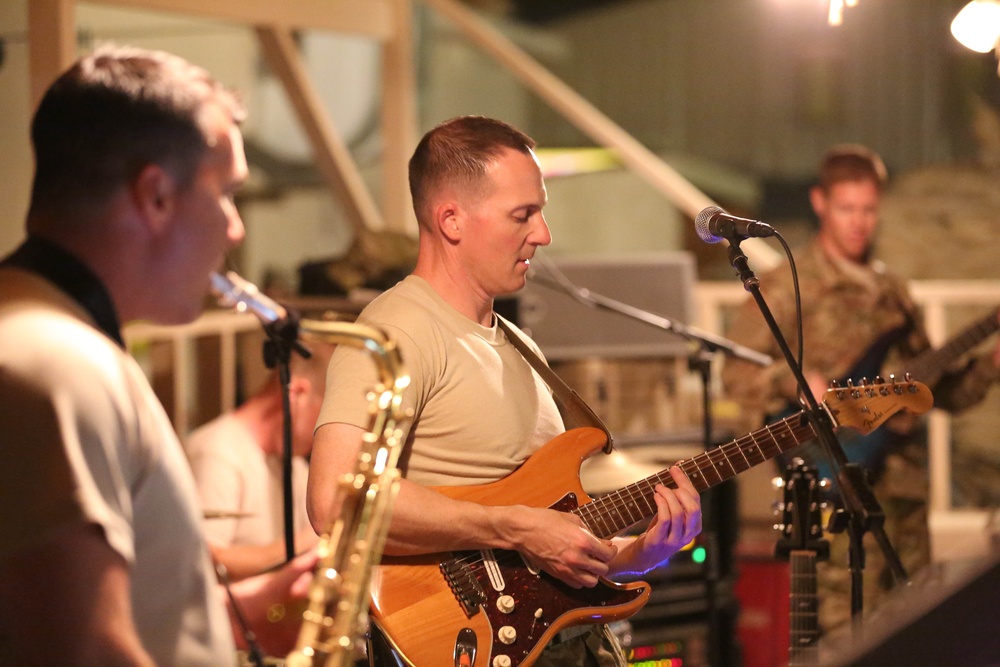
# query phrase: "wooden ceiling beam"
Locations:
[[371, 18]]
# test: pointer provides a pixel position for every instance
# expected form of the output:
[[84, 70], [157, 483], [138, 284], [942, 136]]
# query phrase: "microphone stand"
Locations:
[[282, 329], [699, 360], [862, 512], [282, 339]]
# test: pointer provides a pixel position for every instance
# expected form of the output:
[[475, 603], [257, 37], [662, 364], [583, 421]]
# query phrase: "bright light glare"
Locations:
[[836, 15], [977, 26]]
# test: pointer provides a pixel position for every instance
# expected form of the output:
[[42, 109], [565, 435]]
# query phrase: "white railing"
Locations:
[[225, 325]]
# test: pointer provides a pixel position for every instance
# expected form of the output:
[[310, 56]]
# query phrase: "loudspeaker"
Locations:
[[946, 616]]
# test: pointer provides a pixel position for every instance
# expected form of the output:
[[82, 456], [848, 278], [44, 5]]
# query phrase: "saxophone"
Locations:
[[352, 541]]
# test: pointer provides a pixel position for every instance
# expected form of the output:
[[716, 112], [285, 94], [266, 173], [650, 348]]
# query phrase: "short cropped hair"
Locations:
[[114, 112], [459, 152], [851, 162]]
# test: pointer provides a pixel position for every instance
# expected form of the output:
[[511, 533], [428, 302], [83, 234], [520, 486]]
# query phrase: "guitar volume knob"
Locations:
[[501, 661], [507, 634], [505, 603]]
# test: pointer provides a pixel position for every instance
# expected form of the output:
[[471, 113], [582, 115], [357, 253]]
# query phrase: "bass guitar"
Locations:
[[932, 364], [928, 367], [449, 608]]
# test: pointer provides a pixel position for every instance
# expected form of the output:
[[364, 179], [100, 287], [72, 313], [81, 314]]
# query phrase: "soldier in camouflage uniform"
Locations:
[[858, 318]]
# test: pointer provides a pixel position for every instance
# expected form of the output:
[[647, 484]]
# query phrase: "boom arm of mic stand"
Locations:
[[862, 507], [710, 341]]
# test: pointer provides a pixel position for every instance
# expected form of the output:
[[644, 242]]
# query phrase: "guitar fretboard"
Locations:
[[611, 513], [803, 610], [929, 366]]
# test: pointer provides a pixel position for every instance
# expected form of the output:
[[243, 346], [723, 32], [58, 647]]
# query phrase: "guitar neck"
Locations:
[[803, 609], [612, 513], [930, 366]]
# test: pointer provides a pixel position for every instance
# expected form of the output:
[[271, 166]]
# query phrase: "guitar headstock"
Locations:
[[801, 511], [867, 405]]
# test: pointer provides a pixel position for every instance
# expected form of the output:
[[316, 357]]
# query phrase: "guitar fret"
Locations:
[[715, 470], [753, 440], [790, 431], [598, 514], [648, 496], [743, 454], [772, 441], [627, 506], [729, 464], [696, 476]]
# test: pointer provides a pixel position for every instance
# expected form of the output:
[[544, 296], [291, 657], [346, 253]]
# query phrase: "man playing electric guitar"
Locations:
[[858, 319], [480, 410]]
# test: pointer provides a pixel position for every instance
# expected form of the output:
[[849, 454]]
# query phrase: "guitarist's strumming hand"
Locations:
[[677, 522], [560, 544]]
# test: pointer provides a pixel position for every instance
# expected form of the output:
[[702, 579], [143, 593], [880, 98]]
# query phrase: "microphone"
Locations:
[[713, 225], [235, 291]]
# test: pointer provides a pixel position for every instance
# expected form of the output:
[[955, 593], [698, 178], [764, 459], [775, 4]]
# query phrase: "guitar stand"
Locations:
[[862, 509]]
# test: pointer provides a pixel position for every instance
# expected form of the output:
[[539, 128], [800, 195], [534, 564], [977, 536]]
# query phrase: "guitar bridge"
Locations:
[[462, 580]]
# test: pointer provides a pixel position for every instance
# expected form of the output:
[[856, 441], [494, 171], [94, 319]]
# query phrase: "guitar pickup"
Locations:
[[464, 586]]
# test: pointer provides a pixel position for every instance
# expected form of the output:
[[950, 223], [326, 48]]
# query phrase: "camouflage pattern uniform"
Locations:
[[851, 313]]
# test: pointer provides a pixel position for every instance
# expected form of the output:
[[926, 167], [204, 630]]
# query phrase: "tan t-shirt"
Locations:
[[480, 409]]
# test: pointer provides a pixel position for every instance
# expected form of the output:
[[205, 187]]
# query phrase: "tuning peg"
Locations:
[[852, 389], [834, 384]]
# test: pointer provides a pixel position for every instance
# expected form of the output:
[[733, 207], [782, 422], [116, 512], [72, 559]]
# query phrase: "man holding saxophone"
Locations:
[[102, 560], [479, 409]]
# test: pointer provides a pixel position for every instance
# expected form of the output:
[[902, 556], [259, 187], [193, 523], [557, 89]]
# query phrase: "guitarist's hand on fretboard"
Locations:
[[677, 522]]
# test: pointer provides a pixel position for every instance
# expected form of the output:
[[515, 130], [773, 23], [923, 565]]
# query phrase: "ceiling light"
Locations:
[[977, 26]]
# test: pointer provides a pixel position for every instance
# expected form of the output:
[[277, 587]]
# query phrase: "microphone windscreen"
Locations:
[[701, 224]]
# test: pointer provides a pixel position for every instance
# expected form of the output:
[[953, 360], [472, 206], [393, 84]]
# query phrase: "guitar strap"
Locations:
[[576, 407]]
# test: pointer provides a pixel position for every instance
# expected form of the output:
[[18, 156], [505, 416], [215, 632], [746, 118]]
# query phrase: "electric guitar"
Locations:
[[802, 544], [444, 609]]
